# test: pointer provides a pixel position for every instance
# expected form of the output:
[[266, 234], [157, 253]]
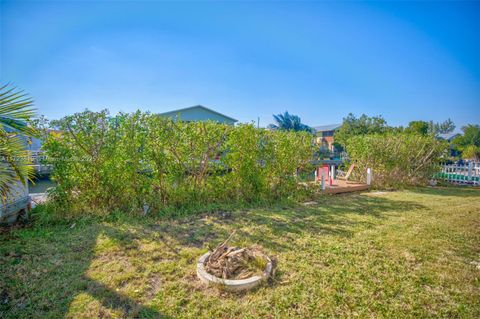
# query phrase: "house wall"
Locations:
[[326, 139], [329, 140]]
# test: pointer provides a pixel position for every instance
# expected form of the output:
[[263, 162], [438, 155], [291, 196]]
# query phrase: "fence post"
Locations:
[[476, 173], [323, 179], [332, 175], [470, 167], [369, 176]]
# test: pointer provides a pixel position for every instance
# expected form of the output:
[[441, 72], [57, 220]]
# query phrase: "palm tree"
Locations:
[[288, 122], [16, 110]]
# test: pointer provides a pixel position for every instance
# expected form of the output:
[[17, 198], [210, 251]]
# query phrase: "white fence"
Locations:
[[467, 173]]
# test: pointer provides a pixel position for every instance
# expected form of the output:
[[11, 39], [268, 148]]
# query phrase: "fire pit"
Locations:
[[234, 268]]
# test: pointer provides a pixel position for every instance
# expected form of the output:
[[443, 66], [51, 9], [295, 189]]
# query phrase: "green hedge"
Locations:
[[397, 159], [103, 163]]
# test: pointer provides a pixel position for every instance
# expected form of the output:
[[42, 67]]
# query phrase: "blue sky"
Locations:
[[319, 60]]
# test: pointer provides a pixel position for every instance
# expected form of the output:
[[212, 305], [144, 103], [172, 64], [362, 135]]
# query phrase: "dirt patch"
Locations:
[[154, 283], [311, 203]]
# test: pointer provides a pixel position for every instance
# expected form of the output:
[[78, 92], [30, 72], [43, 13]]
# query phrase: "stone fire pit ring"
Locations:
[[232, 284]]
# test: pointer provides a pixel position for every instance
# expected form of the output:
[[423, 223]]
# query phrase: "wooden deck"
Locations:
[[340, 186]]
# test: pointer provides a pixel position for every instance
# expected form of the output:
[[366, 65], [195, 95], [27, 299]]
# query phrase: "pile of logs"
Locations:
[[233, 262]]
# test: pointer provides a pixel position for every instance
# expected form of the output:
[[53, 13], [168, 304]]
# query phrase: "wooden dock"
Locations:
[[340, 183], [340, 186]]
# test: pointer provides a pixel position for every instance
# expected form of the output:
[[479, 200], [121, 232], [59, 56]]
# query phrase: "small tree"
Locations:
[[471, 152], [469, 142]]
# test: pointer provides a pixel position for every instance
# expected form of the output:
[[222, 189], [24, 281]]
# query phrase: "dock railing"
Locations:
[[467, 173]]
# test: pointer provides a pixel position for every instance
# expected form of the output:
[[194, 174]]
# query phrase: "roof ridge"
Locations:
[[328, 127], [199, 106]]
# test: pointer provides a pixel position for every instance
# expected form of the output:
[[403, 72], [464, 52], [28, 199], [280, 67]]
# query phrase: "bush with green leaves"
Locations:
[[129, 162], [469, 142], [397, 159]]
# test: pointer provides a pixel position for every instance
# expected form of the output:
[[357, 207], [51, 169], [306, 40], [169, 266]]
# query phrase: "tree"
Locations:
[[424, 127], [420, 127], [16, 110], [289, 122], [446, 126], [469, 142], [353, 126], [471, 152]]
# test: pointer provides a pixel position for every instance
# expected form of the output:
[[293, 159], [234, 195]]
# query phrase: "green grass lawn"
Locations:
[[400, 254]]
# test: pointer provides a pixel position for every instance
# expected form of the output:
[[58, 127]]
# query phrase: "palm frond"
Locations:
[[16, 109], [289, 122], [14, 163]]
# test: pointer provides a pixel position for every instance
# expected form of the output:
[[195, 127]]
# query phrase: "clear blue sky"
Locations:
[[319, 60]]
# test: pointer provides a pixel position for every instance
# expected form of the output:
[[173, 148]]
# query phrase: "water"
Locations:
[[40, 185]]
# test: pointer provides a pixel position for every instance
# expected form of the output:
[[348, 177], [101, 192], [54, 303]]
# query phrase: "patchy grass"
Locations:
[[398, 254]]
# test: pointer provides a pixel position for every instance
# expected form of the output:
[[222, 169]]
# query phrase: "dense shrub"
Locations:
[[469, 143], [131, 161], [397, 159]]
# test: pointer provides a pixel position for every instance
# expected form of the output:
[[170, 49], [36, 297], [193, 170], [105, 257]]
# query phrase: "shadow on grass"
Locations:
[[45, 269], [55, 263], [270, 227], [116, 301], [327, 218]]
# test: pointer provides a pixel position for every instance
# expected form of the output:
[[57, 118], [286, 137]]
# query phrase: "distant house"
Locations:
[[325, 134], [448, 136], [200, 113]]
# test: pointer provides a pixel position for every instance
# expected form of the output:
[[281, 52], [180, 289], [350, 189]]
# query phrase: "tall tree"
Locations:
[[362, 125], [424, 127], [16, 110], [420, 127], [289, 122], [444, 127]]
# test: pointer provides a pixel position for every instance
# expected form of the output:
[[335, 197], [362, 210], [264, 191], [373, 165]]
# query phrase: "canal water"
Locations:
[[40, 185]]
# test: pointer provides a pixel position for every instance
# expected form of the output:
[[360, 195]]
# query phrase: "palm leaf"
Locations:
[[289, 122], [16, 110], [14, 166]]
